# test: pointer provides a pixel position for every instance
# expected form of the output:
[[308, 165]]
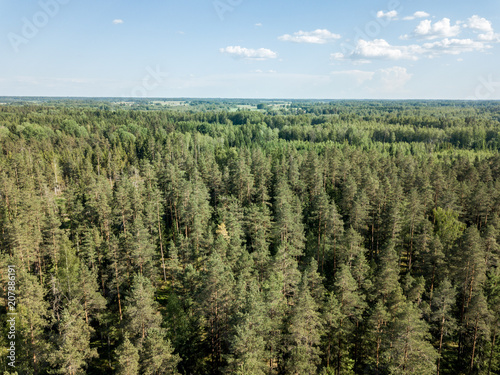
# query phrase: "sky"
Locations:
[[316, 49]]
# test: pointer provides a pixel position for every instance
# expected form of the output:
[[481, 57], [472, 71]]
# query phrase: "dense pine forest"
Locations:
[[334, 237]]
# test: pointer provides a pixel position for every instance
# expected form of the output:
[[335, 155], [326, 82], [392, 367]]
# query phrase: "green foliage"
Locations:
[[304, 333], [127, 357], [141, 312], [448, 227], [73, 349], [342, 237], [158, 356], [410, 351]]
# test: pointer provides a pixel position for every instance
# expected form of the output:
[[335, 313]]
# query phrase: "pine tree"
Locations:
[[127, 356], [353, 253], [157, 353], [141, 310], [410, 352], [276, 309], [194, 216], [73, 343], [289, 236], [258, 230], [470, 268], [241, 179], [261, 172], [359, 213], [25, 225], [392, 218], [387, 276], [491, 246], [248, 345], [352, 306], [231, 217], [349, 192], [117, 269], [443, 302], [433, 262], [332, 317], [493, 293], [174, 186], [376, 335], [76, 282], [33, 321], [448, 228], [304, 333], [477, 327], [216, 305], [99, 201], [312, 175], [413, 289], [141, 248], [414, 216], [328, 227]]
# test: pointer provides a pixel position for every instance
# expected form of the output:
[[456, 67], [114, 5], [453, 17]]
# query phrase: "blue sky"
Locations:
[[357, 49]]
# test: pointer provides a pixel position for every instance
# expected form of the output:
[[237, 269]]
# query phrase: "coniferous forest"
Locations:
[[218, 237]]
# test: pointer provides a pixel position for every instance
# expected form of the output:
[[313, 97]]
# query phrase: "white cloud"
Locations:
[[258, 24], [440, 29], [249, 53], [381, 49], [392, 14], [481, 24], [489, 37], [359, 75], [453, 46], [388, 80], [337, 56], [418, 14], [117, 22], [444, 29], [259, 71], [319, 36], [393, 79], [365, 51]]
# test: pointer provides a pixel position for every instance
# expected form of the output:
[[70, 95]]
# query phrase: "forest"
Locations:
[[313, 237]]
